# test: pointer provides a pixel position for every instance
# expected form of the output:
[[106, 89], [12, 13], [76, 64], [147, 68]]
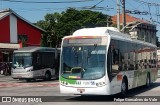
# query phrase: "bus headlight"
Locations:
[[100, 83], [64, 83], [29, 70]]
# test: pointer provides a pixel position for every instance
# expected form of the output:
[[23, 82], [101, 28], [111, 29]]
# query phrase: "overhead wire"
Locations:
[[157, 12], [44, 2], [150, 13], [155, 15], [69, 1], [148, 3], [96, 7]]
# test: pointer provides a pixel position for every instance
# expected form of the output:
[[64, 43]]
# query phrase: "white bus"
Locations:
[[35, 62], [103, 61], [158, 57]]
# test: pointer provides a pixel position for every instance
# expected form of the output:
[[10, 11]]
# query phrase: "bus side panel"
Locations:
[[154, 74], [117, 81], [116, 84]]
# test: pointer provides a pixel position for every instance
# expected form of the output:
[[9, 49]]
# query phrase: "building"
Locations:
[[138, 28], [16, 32]]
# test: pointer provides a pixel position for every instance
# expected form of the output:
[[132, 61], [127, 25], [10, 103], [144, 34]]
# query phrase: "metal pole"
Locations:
[[0, 4], [123, 15], [118, 15], [107, 22]]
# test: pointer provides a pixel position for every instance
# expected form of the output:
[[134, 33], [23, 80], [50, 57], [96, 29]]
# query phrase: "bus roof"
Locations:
[[34, 49], [105, 31], [94, 31]]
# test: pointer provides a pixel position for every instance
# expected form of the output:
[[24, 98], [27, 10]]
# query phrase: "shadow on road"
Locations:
[[35, 80], [8, 79], [131, 93]]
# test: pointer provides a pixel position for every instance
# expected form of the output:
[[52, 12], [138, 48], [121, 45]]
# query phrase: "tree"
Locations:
[[58, 25]]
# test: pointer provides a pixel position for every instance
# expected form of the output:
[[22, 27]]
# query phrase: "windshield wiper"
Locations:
[[82, 72], [89, 52]]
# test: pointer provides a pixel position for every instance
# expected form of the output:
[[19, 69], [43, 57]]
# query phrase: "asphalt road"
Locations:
[[49, 91]]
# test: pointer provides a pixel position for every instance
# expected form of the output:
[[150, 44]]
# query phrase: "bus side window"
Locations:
[[36, 61], [115, 56], [115, 61], [109, 62]]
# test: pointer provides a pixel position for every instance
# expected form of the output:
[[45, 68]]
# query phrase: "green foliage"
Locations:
[[58, 25]]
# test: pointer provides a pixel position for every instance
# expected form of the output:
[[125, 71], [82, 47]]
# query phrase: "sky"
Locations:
[[35, 10]]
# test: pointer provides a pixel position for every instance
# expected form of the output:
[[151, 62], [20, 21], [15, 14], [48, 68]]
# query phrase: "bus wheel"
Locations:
[[124, 87], [47, 76], [148, 81]]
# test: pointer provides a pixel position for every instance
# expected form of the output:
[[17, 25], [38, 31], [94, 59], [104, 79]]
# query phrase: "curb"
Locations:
[[28, 85]]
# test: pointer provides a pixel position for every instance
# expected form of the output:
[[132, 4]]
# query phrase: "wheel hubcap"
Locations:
[[123, 87], [47, 76], [148, 81]]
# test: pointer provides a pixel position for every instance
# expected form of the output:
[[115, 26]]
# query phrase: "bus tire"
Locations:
[[47, 76], [124, 87], [148, 81]]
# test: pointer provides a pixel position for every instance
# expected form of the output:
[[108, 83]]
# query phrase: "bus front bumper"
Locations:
[[103, 90], [22, 75]]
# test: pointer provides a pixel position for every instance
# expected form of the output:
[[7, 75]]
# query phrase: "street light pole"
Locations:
[[123, 15], [118, 15]]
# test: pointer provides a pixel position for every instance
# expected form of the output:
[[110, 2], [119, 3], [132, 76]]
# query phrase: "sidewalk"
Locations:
[[8, 81], [4, 78]]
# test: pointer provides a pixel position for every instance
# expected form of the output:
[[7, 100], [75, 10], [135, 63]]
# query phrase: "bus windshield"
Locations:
[[83, 62], [22, 60]]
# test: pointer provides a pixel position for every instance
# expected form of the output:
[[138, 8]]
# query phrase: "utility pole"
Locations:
[[107, 21], [0, 4], [123, 15], [118, 15]]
